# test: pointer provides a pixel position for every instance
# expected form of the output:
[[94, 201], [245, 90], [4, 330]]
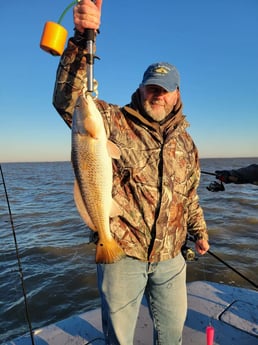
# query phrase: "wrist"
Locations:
[[79, 39]]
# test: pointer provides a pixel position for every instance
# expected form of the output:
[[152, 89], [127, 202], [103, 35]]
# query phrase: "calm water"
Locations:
[[58, 263]]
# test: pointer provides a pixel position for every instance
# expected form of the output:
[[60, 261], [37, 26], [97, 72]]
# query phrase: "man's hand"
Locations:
[[87, 14], [225, 176], [202, 246]]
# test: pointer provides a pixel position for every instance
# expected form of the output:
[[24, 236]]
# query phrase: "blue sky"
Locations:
[[212, 43]]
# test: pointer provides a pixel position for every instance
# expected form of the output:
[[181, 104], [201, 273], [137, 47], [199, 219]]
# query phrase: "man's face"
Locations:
[[157, 102]]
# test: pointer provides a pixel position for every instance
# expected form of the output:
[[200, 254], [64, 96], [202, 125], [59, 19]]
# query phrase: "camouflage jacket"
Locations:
[[156, 178]]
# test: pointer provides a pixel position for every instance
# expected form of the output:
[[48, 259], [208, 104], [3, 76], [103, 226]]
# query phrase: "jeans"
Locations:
[[122, 286]]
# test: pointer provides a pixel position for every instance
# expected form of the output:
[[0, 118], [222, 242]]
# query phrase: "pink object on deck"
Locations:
[[209, 335]]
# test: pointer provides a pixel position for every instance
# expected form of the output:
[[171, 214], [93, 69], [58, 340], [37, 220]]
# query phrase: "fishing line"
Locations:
[[18, 258]]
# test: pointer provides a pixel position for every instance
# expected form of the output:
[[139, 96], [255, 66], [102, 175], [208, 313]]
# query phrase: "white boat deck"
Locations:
[[232, 311]]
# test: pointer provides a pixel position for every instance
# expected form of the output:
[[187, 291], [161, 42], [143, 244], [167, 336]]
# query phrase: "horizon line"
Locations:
[[62, 161]]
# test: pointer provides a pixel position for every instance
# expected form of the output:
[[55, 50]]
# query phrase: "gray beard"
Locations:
[[157, 116]]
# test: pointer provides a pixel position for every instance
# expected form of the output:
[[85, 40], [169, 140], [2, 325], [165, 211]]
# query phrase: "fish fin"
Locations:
[[115, 209], [108, 252], [113, 150], [81, 207]]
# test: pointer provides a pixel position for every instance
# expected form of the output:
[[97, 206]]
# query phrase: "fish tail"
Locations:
[[108, 252]]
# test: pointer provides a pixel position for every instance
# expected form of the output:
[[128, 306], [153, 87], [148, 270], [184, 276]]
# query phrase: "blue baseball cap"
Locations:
[[162, 74]]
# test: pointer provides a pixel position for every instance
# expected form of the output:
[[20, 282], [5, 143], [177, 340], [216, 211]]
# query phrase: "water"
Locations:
[[58, 263]]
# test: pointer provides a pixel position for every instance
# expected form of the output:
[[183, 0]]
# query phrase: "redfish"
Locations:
[[92, 155]]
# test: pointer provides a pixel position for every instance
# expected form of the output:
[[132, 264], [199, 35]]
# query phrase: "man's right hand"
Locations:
[[87, 14]]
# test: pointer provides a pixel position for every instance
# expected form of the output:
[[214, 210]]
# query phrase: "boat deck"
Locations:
[[232, 311]]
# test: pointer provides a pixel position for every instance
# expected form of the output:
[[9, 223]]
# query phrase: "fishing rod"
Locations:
[[18, 258], [233, 269], [208, 173], [228, 265], [214, 186]]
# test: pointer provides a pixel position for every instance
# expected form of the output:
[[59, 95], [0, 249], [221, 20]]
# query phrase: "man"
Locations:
[[243, 175], [155, 184]]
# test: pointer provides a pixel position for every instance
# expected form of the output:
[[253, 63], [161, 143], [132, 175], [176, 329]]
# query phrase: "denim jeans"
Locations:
[[122, 286]]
